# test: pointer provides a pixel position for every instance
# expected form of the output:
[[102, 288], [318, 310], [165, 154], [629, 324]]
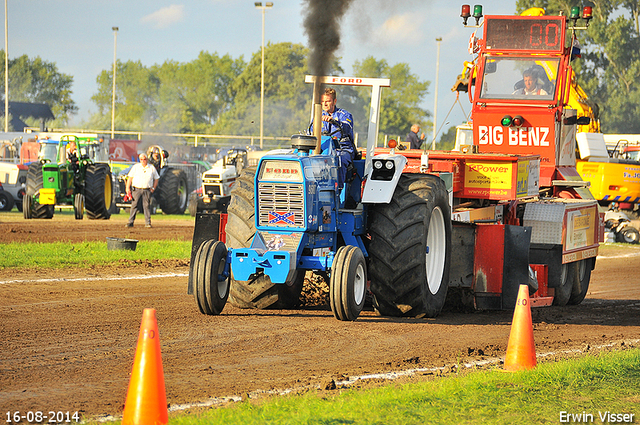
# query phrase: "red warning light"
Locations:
[[465, 14]]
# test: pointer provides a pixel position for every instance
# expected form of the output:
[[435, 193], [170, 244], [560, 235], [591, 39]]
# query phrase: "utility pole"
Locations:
[[268, 5], [6, 68], [435, 107], [113, 91]]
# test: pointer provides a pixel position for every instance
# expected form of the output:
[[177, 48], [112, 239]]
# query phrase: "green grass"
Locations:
[[58, 255], [592, 384]]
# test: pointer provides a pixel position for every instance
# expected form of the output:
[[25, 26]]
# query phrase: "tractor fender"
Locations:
[[382, 178]]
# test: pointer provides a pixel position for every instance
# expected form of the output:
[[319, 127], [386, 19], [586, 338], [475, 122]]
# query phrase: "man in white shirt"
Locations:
[[530, 84], [143, 178]]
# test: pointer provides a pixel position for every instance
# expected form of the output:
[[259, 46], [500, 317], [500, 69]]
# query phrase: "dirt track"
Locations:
[[68, 343]]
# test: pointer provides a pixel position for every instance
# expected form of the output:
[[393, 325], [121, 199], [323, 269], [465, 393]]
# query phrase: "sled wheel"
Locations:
[[567, 279], [581, 284]]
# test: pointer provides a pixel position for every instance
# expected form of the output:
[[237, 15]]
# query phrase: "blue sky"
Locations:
[[77, 36]]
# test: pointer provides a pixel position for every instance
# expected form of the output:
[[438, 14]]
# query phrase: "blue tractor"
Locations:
[[382, 231]]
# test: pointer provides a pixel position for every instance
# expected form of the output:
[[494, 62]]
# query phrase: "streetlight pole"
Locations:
[[6, 68], [113, 90], [435, 107], [268, 5]]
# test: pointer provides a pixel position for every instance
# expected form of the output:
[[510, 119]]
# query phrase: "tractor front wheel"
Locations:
[[6, 201], [34, 184], [211, 289], [78, 206], [348, 283]]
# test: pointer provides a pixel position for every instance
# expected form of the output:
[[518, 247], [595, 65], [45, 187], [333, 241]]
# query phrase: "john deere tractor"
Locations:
[[77, 181]]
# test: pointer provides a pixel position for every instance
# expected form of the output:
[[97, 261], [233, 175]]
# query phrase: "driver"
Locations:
[[531, 87], [347, 150], [155, 159]]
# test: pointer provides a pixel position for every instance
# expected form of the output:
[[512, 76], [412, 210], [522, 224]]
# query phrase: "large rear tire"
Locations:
[[98, 192], [259, 292], [348, 284], [34, 184], [410, 248], [173, 192], [210, 290]]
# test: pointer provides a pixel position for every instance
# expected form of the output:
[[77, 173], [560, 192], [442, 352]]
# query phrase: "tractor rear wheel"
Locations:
[[98, 191], [348, 283], [34, 184], [410, 248], [173, 191], [210, 290], [259, 292]]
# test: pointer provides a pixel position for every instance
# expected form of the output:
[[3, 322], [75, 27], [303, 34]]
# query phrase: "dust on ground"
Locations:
[[68, 338]]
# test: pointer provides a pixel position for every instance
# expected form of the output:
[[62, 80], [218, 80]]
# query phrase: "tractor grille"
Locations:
[[281, 205], [213, 188]]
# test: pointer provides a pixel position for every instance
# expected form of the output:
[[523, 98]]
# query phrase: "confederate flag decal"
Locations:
[[284, 218]]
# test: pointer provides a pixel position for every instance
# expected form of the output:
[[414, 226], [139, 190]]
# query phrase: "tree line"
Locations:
[[217, 94]]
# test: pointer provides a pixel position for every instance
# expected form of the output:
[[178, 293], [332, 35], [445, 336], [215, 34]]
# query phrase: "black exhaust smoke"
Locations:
[[322, 26]]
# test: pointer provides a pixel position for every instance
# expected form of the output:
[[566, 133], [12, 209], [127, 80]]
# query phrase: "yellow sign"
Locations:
[[47, 197], [488, 178]]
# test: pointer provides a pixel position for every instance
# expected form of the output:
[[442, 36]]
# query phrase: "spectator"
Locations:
[[143, 179], [415, 141]]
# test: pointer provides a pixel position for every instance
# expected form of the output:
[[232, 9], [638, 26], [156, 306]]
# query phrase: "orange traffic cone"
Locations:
[[521, 351], [146, 399]]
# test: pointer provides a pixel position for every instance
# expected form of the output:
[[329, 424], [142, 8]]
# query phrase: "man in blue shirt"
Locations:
[[347, 150], [415, 141]]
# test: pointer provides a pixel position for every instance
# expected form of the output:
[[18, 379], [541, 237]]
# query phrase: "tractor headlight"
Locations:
[[383, 169]]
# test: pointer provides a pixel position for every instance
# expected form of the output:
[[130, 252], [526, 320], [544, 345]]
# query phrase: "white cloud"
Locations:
[[165, 17]]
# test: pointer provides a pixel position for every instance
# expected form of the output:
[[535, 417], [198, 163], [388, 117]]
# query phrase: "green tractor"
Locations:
[[73, 180]]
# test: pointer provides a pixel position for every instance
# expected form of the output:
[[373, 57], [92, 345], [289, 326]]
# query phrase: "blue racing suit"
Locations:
[[347, 150]]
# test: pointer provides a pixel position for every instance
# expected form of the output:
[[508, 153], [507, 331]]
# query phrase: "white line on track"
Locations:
[[89, 279], [215, 401]]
